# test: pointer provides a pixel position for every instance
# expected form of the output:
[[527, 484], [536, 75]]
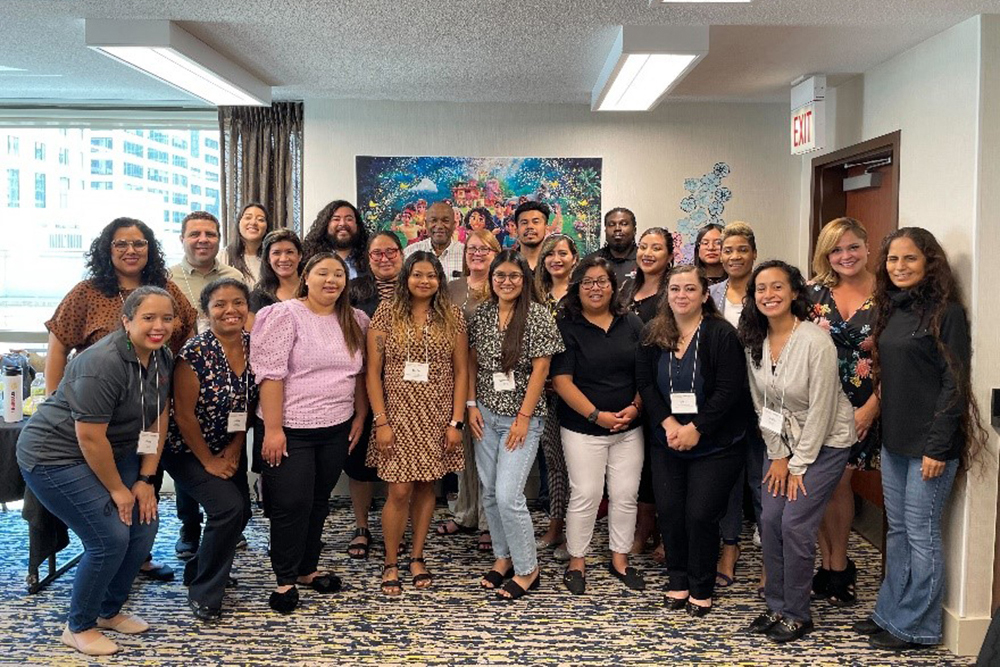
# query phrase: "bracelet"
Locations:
[[376, 416], [471, 404], [637, 407], [521, 414], [381, 425]]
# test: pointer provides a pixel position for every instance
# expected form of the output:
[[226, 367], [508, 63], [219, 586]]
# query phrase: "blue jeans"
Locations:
[[503, 474], [113, 551], [910, 601]]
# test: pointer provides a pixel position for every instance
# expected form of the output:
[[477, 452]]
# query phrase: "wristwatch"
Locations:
[[592, 417], [148, 479], [458, 426]]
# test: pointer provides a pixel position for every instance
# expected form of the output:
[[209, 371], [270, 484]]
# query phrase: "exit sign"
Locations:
[[808, 117]]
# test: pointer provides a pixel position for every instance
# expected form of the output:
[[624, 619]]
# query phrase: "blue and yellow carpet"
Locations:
[[454, 622]]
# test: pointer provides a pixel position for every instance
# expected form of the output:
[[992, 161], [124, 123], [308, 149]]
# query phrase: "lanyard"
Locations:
[[142, 393], [694, 372], [778, 369], [245, 377]]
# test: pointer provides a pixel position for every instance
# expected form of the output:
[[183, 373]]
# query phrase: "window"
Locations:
[[211, 143], [180, 199], [63, 192], [158, 137], [133, 170], [196, 189], [133, 148], [195, 142], [100, 185], [211, 177], [157, 176], [157, 156], [13, 188], [101, 167], [212, 160], [13, 145], [39, 190], [101, 142], [179, 142], [195, 205], [212, 206], [181, 180], [178, 216], [64, 156], [180, 161], [39, 150]]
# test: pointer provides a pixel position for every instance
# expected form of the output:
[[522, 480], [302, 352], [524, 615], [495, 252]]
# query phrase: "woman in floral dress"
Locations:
[[841, 293]]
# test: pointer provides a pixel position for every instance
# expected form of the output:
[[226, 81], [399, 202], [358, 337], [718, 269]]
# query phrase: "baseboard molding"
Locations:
[[964, 636]]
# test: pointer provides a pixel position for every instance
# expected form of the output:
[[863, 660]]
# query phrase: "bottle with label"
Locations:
[[12, 397], [37, 395]]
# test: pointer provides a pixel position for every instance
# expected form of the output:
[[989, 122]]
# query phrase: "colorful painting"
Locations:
[[704, 203], [394, 193]]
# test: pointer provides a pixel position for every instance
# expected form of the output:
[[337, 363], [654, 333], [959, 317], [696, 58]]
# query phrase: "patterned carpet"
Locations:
[[452, 623]]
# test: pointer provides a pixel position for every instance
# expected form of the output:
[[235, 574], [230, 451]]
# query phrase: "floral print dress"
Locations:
[[854, 342]]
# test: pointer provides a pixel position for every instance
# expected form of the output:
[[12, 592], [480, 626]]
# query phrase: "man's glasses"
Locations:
[[122, 246], [379, 255]]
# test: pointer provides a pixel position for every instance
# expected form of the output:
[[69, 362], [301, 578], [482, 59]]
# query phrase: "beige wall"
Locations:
[[646, 156], [941, 95]]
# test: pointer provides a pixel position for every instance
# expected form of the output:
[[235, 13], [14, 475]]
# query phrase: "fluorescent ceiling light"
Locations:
[[701, 2], [645, 63], [163, 50]]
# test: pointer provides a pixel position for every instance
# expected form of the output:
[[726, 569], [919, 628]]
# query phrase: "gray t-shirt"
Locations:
[[100, 386]]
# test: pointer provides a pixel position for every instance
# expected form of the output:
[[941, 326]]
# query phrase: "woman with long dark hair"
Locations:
[[931, 427], [314, 340], [513, 338], [279, 272], [599, 414], [808, 427], [708, 252], [691, 374], [417, 365], [339, 229], [244, 252]]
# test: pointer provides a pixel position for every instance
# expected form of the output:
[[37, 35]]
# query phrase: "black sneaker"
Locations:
[[867, 627], [764, 622], [187, 544], [787, 630], [890, 642]]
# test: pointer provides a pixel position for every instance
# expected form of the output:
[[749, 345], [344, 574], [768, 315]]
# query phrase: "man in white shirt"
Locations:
[[200, 266], [440, 223]]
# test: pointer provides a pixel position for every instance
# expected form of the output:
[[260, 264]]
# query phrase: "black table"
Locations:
[[11, 489]]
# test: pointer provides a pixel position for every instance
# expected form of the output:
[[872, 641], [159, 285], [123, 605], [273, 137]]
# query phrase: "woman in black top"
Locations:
[[708, 252], [930, 425], [692, 377], [599, 414], [279, 272]]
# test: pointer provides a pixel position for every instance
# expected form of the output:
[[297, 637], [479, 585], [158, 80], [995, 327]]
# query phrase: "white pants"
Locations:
[[588, 458]]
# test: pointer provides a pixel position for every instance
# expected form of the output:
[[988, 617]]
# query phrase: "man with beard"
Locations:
[[619, 233], [532, 220], [338, 228], [440, 223]]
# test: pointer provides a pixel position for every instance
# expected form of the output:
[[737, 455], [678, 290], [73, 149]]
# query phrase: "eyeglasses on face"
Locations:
[[501, 278], [478, 252], [121, 245], [711, 244], [388, 253], [599, 283]]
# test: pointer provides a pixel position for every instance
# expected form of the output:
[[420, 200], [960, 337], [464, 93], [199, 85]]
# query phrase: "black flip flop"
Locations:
[[359, 550]]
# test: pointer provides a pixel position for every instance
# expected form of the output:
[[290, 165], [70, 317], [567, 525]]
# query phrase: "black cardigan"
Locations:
[[921, 402], [724, 415]]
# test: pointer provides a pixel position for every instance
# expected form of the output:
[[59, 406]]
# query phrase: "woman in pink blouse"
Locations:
[[308, 356]]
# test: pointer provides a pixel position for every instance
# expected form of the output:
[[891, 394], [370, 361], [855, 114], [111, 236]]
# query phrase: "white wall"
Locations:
[[943, 95], [646, 156]]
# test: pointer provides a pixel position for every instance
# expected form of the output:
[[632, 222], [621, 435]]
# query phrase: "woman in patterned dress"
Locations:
[[841, 294], [417, 365]]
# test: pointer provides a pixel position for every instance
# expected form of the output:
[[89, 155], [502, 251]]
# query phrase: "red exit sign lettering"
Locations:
[[807, 131]]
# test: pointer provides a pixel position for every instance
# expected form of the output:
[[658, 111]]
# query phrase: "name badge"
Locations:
[[683, 403], [237, 422], [149, 442], [771, 420], [503, 381], [415, 371]]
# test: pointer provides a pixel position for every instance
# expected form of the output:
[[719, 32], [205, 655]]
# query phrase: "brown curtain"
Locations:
[[262, 161]]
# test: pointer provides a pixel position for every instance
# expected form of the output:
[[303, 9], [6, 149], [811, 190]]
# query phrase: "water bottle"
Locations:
[[12, 397], [38, 387]]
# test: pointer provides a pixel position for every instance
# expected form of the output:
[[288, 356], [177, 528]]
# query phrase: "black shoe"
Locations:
[[674, 604], [890, 642], [203, 613], [242, 544], [284, 603], [764, 622], [867, 627], [159, 573], [186, 545], [575, 582], [630, 578], [695, 610], [325, 583], [820, 584], [840, 591], [787, 630], [231, 582]]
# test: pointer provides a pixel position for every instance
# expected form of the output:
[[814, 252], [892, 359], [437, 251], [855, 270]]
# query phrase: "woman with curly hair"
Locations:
[[244, 252], [123, 258], [931, 427], [808, 427], [338, 228], [417, 369]]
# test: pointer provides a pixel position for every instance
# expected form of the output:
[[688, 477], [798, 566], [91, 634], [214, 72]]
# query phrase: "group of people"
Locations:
[[664, 390]]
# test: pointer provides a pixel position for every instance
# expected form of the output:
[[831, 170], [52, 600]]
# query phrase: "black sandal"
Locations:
[[324, 583], [389, 585], [359, 550], [840, 590], [496, 579], [423, 576], [514, 590]]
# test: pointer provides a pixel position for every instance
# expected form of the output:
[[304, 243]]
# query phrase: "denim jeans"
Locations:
[[113, 551], [909, 602], [504, 474]]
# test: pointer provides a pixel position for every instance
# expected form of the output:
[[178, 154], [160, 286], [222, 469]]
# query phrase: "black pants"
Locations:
[[188, 513], [227, 504], [691, 498], [297, 497]]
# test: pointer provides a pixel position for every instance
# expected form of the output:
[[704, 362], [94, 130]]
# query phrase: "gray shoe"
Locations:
[[561, 554]]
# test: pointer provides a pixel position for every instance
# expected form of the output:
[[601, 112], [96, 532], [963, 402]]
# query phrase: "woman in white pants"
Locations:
[[595, 378]]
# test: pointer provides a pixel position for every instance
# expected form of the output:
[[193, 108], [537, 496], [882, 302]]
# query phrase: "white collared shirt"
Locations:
[[451, 258]]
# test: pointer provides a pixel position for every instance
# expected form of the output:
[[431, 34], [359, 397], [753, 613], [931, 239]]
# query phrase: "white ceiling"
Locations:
[[462, 50]]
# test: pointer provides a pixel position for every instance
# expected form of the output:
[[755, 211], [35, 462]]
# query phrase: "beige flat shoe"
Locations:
[[100, 646], [127, 624]]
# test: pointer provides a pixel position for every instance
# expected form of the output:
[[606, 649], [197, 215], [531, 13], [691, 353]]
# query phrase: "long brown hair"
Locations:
[[442, 312], [932, 296], [353, 335], [662, 329], [513, 336]]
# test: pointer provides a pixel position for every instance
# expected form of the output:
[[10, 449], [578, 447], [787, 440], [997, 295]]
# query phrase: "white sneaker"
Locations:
[[756, 535]]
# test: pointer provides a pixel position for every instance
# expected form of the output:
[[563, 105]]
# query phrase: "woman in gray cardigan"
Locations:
[[808, 427]]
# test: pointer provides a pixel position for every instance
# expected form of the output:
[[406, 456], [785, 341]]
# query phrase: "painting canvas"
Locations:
[[394, 193]]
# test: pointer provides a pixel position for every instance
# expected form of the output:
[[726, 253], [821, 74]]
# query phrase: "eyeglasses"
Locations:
[[389, 253], [711, 244], [501, 278], [591, 283], [121, 245], [478, 252]]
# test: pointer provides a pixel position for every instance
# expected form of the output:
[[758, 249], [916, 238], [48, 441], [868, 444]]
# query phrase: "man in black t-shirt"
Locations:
[[619, 235]]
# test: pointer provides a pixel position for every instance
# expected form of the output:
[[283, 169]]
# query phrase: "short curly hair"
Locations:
[[101, 270]]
